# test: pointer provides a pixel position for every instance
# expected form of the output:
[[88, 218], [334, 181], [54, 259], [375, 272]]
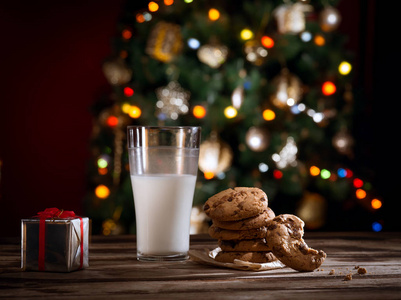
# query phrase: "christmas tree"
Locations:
[[269, 82]]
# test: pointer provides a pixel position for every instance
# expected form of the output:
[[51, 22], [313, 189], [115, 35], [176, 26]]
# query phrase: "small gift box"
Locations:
[[55, 240]]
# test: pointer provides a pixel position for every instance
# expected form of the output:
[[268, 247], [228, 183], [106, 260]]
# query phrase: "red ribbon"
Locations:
[[55, 213]]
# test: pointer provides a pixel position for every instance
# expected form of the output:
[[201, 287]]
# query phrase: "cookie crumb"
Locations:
[[332, 272], [362, 271], [356, 267], [348, 277]]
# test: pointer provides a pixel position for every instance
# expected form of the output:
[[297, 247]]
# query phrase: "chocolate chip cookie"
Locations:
[[244, 245], [284, 234], [249, 223], [228, 235], [236, 204]]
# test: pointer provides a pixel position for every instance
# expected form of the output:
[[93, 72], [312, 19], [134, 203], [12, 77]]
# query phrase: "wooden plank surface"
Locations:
[[114, 273]]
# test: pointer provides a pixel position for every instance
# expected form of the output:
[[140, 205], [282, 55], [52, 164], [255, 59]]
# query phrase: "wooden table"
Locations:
[[114, 273]]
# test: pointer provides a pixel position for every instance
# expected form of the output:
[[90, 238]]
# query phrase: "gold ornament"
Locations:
[[257, 139], [215, 156], [213, 55], [173, 101], [330, 19], [288, 89], [291, 17], [255, 52], [312, 210], [165, 41], [116, 71]]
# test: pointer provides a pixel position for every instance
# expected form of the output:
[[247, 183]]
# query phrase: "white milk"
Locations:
[[163, 208]]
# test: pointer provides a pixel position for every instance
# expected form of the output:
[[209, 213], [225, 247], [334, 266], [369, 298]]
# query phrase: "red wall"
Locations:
[[51, 55]]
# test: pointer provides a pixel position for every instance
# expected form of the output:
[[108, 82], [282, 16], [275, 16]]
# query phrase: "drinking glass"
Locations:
[[163, 167]]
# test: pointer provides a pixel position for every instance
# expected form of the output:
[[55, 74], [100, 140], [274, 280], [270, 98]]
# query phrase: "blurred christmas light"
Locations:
[[168, 2], [128, 92], [328, 88], [306, 36], [269, 115], [325, 174], [230, 112], [140, 18], [267, 41], [358, 183], [147, 16], [208, 175], [153, 6], [376, 203], [319, 40], [214, 14], [246, 34], [102, 163], [349, 173], [125, 108], [126, 34], [188, 1], [112, 121], [318, 117], [263, 167], [277, 174], [135, 112], [102, 171], [376, 226], [295, 110], [360, 193], [301, 107], [344, 68], [193, 43], [102, 191], [199, 111], [314, 171]]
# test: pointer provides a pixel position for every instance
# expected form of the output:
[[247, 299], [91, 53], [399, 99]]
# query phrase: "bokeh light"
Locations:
[[134, 112], [153, 6], [246, 34], [128, 92], [102, 191], [314, 171], [328, 88], [360, 193], [269, 115], [214, 14], [230, 112], [199, 111], [344, 68], [267, 41], [376, 203]]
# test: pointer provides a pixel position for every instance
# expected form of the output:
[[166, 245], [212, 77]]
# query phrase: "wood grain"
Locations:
[[114, 273]]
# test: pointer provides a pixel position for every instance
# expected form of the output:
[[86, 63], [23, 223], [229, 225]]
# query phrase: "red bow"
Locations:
[[52, 213], [55, 213]]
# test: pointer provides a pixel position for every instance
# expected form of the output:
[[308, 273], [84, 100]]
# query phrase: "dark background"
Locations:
[[51, 54]]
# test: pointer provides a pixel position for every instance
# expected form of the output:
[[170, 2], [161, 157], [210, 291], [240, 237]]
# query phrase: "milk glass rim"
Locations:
[[164, 127], [175, 127]]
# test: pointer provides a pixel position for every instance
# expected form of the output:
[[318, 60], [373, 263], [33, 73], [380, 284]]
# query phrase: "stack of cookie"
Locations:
[[240, 217]]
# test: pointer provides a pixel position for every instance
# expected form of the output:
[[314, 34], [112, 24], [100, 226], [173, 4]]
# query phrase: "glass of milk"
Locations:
[[163, 166]]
